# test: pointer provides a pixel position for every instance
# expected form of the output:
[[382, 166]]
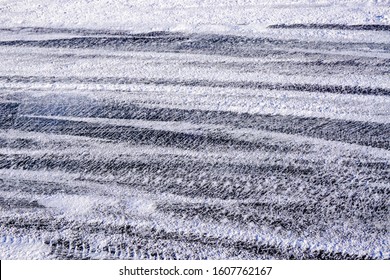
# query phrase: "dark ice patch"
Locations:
[[8, 114]]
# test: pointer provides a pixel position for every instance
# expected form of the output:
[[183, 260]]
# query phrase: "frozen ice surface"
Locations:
[[184, 130]]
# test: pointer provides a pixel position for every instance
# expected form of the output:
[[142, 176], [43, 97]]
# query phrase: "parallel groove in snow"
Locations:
[[204, 83]]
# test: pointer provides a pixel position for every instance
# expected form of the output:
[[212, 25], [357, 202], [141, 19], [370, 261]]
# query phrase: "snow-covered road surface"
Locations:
[[177, 145]]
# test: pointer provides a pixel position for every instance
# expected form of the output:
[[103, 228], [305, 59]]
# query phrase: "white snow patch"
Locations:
[[75, 205], [227, 16], [140, 206], [18, 249]]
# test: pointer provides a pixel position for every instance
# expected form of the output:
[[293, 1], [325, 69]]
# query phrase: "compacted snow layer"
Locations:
[[231, 16], [182, 145]]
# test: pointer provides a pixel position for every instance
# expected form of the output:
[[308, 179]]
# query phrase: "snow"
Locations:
[[200, 16], [225, 161]]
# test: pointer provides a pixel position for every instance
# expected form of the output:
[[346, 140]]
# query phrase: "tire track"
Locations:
[[354, 132], [373, 27], [332, 89]]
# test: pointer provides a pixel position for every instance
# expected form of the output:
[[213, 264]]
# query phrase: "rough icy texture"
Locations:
[[232, 143], [232, 16]]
